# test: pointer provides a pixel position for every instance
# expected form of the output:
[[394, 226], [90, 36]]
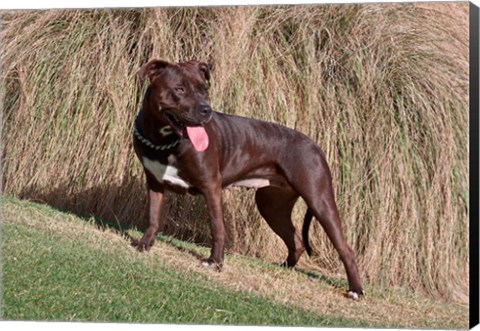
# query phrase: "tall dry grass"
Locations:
[[382, 88]]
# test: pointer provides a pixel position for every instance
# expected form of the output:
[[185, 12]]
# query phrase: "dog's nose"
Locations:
[[204, 109]]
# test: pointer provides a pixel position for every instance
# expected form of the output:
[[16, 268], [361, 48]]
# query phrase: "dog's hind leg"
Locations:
[[312, 179], [275, 205], [323, 206]]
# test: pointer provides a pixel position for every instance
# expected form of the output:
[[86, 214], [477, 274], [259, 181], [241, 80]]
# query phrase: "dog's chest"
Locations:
[[164, 173]]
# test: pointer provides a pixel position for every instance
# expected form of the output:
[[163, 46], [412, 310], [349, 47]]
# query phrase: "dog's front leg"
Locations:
[[213, 198], [155, 200]]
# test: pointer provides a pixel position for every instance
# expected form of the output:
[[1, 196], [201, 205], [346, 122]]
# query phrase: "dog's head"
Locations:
[[178, 94]]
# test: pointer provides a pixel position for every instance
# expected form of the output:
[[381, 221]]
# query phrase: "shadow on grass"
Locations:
[[334, 282], [120, 206], [190, 248], [123, 203], [90, 206]]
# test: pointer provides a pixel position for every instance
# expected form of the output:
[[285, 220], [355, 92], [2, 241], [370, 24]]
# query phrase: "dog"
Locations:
[[186, 147]]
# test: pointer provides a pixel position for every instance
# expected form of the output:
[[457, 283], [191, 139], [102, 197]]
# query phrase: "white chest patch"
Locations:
[[164, 173]]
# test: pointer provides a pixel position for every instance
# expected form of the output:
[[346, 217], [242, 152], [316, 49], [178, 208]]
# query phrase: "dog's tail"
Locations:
[[306, 226]]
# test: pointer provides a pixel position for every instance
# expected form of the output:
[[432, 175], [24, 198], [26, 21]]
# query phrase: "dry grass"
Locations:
[[382, 88]]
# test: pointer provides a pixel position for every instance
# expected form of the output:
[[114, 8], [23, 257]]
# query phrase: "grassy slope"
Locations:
[[57, 266]]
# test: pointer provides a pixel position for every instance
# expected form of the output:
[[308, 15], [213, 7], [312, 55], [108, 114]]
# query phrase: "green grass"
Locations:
[[49, 275]]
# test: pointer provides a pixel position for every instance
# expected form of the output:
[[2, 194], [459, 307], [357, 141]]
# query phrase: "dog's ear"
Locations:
[[202, 67], [205, 70], [152, 69]]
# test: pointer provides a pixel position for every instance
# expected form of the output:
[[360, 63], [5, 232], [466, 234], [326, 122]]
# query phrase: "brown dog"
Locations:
[[186, 147]]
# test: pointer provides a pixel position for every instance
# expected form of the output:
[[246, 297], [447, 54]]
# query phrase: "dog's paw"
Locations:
[[211, 265], [141, 246], [286, 265], [353, 295]]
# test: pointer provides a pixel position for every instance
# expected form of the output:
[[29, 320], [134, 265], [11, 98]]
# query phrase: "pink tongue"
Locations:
[[198, 136]]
